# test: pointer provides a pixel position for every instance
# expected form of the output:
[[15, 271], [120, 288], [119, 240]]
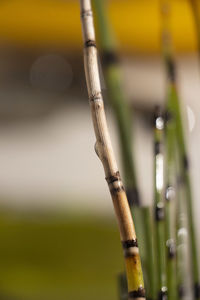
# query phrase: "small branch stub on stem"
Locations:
[[105, 152]]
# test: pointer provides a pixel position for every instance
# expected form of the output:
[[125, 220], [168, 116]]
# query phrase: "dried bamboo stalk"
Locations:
[[123, 117], [117, 99], [105, 152]]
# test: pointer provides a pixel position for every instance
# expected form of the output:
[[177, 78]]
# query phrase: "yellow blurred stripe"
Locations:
[[137, 23]]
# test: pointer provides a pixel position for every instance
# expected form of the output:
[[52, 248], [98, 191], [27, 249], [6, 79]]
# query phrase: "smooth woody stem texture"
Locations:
[[105, 152], [123, 115], [167, 46], [159, 204], [117, 98]]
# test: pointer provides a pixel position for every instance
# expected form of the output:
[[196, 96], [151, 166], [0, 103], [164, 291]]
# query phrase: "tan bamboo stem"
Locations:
[[105, 152]]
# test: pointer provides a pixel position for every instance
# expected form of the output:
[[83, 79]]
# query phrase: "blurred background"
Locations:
[[57, 226]]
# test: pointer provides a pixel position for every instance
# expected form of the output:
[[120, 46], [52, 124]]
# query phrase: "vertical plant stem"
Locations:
[[170, 206], [123, 115], [117, 99], [159, 203], [182, 233], [105, 152], [149, 246], [185, 178], [123, 288], [182, 153]]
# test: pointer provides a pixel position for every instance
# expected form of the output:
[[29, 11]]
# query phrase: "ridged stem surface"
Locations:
[[105, 152]]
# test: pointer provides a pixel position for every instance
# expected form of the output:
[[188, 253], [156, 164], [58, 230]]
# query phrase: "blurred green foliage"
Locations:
[[57, 257]]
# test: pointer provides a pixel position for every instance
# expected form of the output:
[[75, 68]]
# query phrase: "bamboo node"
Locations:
[[140, 293], [90, 43], [163, 293], [86, 13], [129, 244], [157, 148], [113, 178], [171, 248], [160, 211], [95, 97]]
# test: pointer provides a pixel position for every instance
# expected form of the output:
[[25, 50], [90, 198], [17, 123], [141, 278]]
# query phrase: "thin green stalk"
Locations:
[[123, 116], [185, 177], [182, 233], [167, 47], [159, 204], [170, 207], [123, 287], [117, 98], [149, 247]]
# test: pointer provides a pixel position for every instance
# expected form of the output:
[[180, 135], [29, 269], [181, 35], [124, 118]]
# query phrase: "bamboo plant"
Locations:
[[105, 152], [159, 205], [170, 202], [182, 234], [117, 98], [123, 115], [167, 47]]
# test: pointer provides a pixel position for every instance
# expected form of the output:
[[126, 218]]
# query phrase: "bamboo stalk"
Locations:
[[117, 99], [170, 206], [182, 240], [185, 178], [150, 258], [105, 152], [182, 152], [123, 115], [159, 206], [123, 288]]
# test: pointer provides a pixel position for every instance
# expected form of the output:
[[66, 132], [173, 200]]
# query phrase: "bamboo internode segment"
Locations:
[[117, 99], [105, 152]]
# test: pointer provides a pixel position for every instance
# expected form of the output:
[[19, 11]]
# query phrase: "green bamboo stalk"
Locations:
[[105, 152], [167, 46], [149, 247], [182, 233], [184, 169], [117, 98], [123, 288], [183, 278], [159, 205], [123, 116], [170, 224]]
